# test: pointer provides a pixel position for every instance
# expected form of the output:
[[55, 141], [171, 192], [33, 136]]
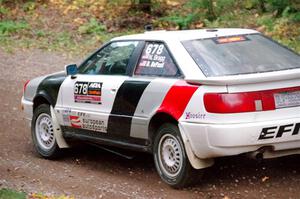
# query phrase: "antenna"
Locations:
[[148, 27], [211, 30]]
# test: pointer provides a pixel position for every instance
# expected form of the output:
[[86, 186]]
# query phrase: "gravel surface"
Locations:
[[88, 172]]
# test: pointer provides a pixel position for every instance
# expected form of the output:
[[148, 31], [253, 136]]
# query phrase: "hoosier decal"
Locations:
[[190, 115], [88, 92]]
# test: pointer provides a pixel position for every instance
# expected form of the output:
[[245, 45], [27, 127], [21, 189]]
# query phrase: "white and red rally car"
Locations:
[[185, 96]]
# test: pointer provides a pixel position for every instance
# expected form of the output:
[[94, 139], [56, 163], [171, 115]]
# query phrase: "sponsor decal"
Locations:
[[190, 115], [94, 125], [88, 92], [75, 121], [85, 121], [279, 131], [65, 114]]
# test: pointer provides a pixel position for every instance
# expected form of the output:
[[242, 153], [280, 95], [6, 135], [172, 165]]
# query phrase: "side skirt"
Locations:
[[134, 144]]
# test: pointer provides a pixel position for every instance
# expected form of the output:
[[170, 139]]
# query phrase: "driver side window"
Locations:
[[111, 60]]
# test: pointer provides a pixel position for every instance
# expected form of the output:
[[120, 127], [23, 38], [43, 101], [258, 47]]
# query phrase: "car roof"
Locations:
[[182, 35]]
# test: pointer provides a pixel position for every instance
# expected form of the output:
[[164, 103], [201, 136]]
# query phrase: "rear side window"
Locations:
[[156, 61]]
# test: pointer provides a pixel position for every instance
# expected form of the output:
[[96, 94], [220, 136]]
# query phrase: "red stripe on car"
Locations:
[[177, 98]]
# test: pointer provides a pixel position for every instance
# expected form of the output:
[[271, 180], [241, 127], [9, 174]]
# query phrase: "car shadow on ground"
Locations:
[[232, 170]]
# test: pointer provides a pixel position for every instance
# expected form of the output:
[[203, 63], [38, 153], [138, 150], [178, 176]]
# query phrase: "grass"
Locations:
[[66, 42], [11, 194], [9, 27]]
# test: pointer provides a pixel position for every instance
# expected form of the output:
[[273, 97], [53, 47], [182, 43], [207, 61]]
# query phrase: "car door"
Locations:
[[87, 98], [140, 93]]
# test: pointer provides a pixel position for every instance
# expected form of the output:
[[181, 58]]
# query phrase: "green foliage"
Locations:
[[11, 194], [8, 27], [250, 4], [222, 5], [3, 10], [86, 24], [200, 9], [212, 9], [278, 5], [295, 17], [40, 33], [29, 6], [182, 22], [207, 5], [92, 27], [266, 21], [288, 13]]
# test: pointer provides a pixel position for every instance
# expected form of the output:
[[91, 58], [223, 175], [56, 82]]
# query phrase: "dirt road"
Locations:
[[88, 172]]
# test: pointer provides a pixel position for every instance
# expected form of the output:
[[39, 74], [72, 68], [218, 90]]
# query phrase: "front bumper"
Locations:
[[27, 107], [216, 140]]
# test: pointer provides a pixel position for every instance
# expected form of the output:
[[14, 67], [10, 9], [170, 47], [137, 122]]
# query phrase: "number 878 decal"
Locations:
[[87, 92]]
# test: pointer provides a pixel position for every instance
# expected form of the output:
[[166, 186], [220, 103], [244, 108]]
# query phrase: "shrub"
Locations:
[[92, 27], [8, 27]]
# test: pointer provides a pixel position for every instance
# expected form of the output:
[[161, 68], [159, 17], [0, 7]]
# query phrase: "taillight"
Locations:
[[243, 102], [238, 102], [25, 85]]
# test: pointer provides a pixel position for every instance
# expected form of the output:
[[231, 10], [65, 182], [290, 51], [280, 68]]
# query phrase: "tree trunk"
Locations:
[[262, 6], [211, 12], [145, 5]]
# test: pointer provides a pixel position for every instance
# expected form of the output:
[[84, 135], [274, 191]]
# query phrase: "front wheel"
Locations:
[[170, 158], [42, 131]]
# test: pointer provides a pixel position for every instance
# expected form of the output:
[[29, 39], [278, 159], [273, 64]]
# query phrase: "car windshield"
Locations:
[[241, 54]]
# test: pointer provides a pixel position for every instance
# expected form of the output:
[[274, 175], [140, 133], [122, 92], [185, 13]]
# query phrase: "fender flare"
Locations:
[[43, 94], [196, 162]]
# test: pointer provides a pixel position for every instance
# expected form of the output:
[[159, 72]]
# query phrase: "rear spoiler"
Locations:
[[247, 78]]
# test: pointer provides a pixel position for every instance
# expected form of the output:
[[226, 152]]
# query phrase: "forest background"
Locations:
[[79, 26]]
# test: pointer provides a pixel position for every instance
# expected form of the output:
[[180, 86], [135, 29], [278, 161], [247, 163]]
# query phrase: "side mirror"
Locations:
[[71, 69]]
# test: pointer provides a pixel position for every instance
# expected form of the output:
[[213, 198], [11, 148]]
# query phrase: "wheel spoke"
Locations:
[[170, 155], [44, 131]]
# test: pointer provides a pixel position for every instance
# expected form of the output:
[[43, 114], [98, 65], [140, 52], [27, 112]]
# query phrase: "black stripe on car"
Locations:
[[50, 86], [126, 101]]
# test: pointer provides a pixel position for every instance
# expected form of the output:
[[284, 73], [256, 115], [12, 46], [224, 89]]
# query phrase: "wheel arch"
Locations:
[[41, 98], [156, 121], [162, 117]]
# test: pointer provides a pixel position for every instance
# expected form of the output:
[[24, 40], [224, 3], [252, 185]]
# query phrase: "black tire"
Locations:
[[175, 170], [42, 132]]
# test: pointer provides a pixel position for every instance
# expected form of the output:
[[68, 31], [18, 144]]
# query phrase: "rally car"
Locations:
[[187, 97]]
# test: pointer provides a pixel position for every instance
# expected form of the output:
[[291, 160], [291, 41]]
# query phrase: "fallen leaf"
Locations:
[[264, 179]]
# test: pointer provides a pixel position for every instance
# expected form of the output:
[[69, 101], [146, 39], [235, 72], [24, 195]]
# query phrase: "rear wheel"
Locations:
[[170, 158], [42, 131]]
